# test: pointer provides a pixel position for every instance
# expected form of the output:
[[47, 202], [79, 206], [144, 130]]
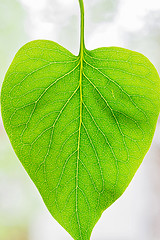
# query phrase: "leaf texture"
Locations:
[[80, 126]]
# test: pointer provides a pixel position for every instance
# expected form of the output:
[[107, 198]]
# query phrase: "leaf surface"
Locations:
[[80, 126]]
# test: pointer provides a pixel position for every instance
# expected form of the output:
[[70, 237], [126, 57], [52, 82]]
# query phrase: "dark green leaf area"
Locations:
[[80, 148]]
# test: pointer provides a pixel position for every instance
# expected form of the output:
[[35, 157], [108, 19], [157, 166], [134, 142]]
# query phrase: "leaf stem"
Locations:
[[82, 45]]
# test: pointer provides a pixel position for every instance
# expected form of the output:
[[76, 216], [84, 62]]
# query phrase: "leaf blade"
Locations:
[[78, 131]]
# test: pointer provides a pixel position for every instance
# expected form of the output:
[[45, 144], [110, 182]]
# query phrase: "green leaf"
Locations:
[[80, 125], [81, 151]]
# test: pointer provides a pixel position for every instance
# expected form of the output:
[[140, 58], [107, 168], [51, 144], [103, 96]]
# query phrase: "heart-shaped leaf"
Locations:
[[80, 125]]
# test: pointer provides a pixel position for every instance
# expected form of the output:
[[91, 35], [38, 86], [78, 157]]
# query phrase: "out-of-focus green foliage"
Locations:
[[13, 214], [11, 31]]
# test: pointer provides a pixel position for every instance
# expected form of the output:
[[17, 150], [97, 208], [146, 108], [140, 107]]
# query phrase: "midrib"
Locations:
[[81, 53], [79, 132]]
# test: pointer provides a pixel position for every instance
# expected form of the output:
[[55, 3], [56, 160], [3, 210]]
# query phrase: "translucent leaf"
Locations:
[[80, 126]]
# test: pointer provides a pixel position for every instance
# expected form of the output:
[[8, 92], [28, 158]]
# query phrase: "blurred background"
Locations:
[[133, 24]]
